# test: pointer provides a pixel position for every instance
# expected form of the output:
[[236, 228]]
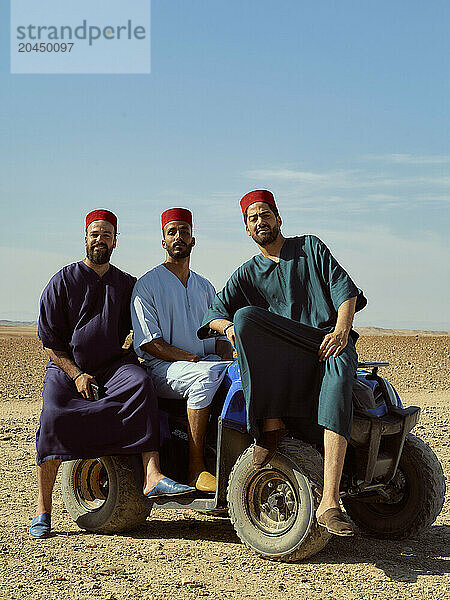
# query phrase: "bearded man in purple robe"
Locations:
[[97, 400]]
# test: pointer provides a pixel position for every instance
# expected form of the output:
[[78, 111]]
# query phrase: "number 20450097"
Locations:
[[46, 47]]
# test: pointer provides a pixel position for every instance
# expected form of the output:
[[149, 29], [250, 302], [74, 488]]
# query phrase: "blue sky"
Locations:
[[340, 108]]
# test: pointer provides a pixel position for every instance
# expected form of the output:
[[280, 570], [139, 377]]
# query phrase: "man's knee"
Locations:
[[198, 402], [247, 315], [201, 393], [141, 378]]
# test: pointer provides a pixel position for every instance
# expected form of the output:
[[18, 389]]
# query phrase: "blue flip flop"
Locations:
[[169, 487], [41, 526]]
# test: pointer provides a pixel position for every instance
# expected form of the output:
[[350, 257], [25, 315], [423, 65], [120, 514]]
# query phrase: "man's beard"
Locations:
[[98, 255], [267, 236], [180, 253]]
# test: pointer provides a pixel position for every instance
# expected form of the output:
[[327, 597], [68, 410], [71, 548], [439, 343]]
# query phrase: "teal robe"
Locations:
[[306, 286]]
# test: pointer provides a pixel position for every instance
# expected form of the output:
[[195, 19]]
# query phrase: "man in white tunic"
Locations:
[[167, 308]]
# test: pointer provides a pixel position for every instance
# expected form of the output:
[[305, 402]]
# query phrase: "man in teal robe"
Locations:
[[289, 311]]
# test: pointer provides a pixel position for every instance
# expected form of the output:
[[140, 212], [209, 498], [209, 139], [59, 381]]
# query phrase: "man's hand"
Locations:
[[83, 385], [224, 350], [333, 344], [66, 363], [230, 335]]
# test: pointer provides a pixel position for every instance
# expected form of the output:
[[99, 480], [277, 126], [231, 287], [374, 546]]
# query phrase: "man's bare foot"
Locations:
[[335, 522], [151, 482], [42, 509], [324, 506]]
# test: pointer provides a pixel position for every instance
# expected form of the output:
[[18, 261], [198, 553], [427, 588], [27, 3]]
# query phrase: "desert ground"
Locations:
[[185, 555]]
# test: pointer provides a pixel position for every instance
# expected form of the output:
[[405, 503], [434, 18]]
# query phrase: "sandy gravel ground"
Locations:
[[188, 556]]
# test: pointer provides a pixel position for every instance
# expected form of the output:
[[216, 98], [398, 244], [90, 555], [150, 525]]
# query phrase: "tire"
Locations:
[[420, 489], [279, 524], [101, 494]]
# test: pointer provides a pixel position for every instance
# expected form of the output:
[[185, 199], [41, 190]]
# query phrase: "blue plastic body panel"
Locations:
[[233, 411], [234, 414]]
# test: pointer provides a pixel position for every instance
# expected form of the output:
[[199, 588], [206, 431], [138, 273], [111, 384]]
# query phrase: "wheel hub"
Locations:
[[91, 484], [272, 503]]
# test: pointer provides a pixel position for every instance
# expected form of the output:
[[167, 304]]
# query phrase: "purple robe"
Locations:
[[88, 317]]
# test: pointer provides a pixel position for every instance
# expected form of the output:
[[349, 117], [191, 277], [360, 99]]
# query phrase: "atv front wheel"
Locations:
[[102, 495], [417, 496], [273, 509]]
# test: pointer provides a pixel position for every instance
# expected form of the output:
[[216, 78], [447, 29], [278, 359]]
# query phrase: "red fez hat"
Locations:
[[102, 215], [257, 196], [176, 214]]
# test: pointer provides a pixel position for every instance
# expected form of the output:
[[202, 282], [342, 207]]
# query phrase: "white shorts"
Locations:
[[196, 382]]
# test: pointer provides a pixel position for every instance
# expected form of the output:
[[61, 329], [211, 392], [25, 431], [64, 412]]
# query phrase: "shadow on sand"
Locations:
[[401, 561]]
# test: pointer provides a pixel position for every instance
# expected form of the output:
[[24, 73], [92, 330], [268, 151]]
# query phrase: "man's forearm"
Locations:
[[346, 312], [64, 362], [164, 351], [224, 327], [219, 325]]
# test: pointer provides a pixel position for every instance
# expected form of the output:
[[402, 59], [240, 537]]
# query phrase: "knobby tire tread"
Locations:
[[310, 463], [417, 452], [128, 512]]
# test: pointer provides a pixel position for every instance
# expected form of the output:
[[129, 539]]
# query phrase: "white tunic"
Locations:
[[162, 307]]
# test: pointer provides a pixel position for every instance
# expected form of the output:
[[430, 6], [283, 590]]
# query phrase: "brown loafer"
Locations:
[[335, 522], [266, 447]]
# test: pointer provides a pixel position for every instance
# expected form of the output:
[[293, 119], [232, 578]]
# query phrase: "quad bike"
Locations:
[[392, 486]]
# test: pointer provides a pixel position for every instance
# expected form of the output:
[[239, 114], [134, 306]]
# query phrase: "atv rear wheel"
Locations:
[[101, 494], [273, 509], [418, 491]]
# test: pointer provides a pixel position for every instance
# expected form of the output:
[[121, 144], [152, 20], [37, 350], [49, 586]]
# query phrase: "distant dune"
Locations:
[[29, 329], [13, 330], [381, 331], [4, 323]]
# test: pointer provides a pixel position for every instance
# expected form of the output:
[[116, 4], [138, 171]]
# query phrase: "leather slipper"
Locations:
[[41, 526], [204, 482], [266, 447], [169, 487], [335, 522]]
